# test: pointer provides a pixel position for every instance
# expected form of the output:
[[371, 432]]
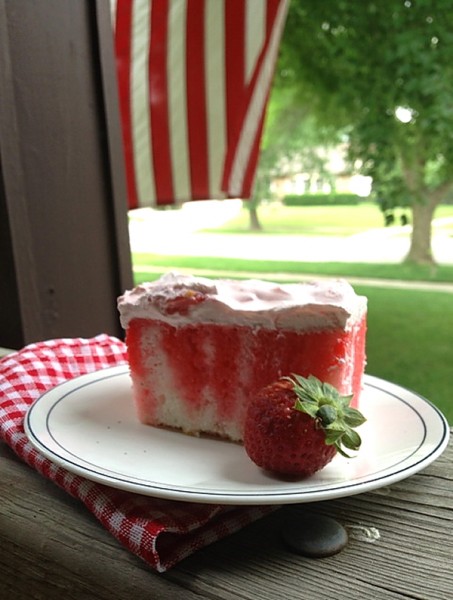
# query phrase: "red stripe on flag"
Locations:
[[123, 44], [158, 94], [234, 77], [196, 100]]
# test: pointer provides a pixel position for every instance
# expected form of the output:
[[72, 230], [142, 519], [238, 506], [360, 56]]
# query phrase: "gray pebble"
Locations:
[[314, 536]]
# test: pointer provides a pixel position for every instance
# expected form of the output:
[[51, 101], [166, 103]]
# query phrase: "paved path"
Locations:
[[176, 232], [375, 248]]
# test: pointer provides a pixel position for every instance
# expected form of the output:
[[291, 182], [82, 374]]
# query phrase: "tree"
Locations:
[[384, 70], [291, 138]]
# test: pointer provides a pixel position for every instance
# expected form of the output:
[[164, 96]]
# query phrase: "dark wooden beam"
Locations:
[[64, 245]]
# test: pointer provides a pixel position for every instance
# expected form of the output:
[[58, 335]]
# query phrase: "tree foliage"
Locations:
[[383, 71], [291, 137]]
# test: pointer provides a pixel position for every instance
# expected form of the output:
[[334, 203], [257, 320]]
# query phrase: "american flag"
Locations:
[[194, 79]]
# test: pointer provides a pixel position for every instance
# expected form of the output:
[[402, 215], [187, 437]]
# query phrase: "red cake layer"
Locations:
[[198, 378]]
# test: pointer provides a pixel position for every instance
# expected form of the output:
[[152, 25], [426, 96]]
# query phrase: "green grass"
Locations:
[[317, 220], [159, 263], [309, 220], [409, 341]]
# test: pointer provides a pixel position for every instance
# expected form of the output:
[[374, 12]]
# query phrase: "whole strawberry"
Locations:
[[295, 426]]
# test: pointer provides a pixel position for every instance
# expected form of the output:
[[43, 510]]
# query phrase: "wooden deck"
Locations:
[[400, 546]]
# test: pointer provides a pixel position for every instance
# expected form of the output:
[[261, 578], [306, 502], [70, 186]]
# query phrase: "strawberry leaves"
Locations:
[[331, 410]]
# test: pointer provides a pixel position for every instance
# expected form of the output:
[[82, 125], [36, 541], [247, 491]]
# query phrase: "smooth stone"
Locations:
[[314, 536]]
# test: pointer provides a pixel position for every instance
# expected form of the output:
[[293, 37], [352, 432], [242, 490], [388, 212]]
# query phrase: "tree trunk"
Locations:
[[420, 251], [254, 222]]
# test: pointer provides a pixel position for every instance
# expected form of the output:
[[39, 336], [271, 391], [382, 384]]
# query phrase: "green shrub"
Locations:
[[331, 199]]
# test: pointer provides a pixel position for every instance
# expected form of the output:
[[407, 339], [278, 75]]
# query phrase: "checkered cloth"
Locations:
[[161, 532]]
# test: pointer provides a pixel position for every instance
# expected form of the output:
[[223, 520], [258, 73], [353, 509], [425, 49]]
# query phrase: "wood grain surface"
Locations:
[[400, 546]]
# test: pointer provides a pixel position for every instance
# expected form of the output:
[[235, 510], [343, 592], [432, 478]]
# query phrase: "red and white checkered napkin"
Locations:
[[162, 532]]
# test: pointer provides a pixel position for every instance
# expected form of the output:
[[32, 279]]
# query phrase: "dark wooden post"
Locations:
[[64, 245]]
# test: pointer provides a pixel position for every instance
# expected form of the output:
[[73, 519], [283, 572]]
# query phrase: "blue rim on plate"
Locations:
[[88, 426]]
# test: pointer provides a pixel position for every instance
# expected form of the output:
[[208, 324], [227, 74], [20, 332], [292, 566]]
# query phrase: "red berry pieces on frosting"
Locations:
[[182, 303]]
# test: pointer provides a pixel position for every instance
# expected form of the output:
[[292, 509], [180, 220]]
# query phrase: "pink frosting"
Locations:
[[180, 299]]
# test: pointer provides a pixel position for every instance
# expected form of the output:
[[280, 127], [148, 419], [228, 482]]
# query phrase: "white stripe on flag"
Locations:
[[113, 13], [257, 105], [215, 94], [176, 73], [141, 126], [255, 34]]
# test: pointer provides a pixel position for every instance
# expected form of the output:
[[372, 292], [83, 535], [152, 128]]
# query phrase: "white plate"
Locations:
[[88, 426]]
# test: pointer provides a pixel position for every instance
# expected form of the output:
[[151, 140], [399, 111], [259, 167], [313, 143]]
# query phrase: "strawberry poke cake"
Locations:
[[198, 348]]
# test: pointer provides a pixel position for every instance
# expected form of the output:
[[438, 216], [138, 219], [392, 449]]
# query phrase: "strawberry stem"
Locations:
[[332, 411]]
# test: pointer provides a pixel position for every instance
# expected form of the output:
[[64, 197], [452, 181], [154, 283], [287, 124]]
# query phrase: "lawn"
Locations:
[[147, 264], [309, 220], [410, 341], [318, 220]]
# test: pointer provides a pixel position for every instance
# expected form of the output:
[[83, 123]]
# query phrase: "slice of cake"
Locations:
[[199, 348]]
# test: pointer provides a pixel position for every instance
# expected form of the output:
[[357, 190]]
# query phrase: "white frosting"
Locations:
[[307, 306]]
